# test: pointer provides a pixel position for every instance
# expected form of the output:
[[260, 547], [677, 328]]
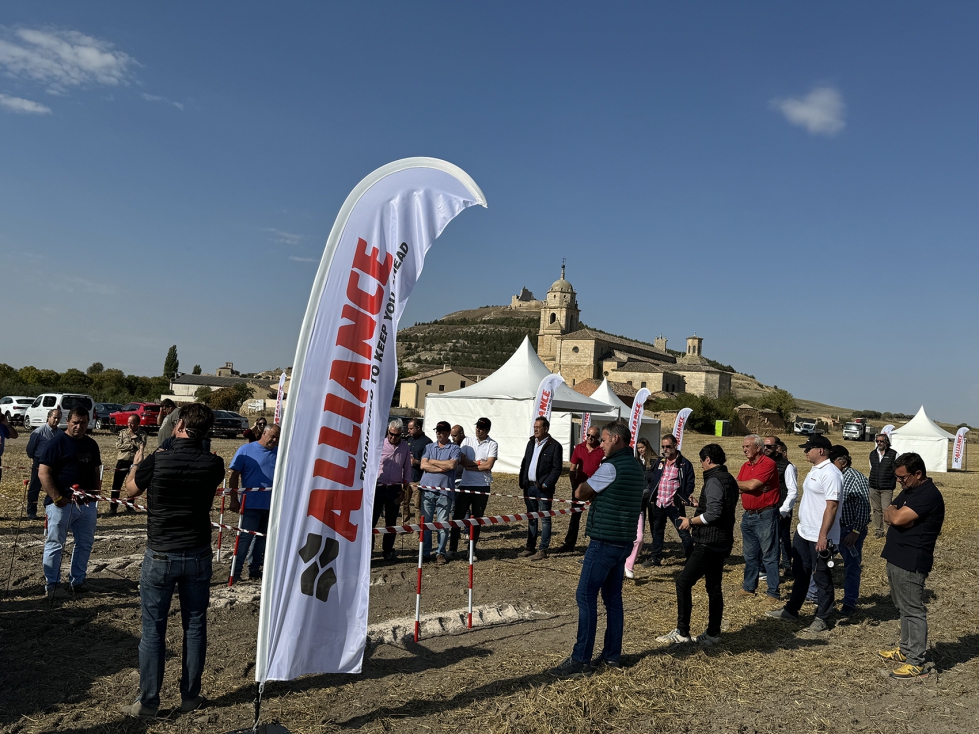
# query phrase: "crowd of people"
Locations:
[[625, 489]]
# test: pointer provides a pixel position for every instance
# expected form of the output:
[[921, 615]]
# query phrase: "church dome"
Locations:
[[561, 286]]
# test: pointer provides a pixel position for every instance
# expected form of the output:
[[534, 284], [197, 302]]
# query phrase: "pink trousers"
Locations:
[[637, 543]]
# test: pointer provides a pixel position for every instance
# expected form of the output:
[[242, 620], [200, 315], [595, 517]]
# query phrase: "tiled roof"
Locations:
[[636, 366], [589, 386], [469, 372], [602, 336]]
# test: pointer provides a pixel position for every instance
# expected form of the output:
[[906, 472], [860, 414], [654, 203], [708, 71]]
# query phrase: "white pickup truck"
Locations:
[[858, 430]]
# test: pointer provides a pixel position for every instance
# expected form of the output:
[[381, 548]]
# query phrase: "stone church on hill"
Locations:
[[583, 354]]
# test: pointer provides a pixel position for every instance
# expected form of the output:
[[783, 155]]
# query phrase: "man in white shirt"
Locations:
[[816, 536], [476, 456]]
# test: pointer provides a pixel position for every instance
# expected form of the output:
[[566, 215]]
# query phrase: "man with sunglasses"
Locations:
[[673, 484], [882, 482], [392, 483], [914, 521], [585, 459]]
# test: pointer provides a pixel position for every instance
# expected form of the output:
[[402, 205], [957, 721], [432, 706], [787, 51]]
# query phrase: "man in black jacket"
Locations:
[[539, 472], [673, 483], [180, 483], [882, 481], [713, 536]]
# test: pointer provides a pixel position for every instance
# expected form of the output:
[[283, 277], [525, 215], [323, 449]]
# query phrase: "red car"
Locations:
[[147, 412]]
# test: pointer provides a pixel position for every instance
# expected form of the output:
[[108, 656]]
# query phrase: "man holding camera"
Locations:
[[816, 536]]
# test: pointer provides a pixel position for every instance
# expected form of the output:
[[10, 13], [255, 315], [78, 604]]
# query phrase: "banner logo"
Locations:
[[958, 449], [545, 396], [635, 415], [681, 422]]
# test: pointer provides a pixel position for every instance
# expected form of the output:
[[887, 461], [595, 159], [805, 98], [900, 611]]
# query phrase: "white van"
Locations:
[[37, 414]]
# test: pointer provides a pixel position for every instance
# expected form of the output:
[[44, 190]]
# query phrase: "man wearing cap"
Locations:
[[758, 483], [539, 472], [477, 456], [788, 492], [914, 521], [615, 492], [585, 459], [438, 465], [816, 536], [882, 482], [854, 519]]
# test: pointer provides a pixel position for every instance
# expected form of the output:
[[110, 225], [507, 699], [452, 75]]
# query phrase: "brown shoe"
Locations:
[[743, 592], [540, 555], [525, 553], [440, 560]]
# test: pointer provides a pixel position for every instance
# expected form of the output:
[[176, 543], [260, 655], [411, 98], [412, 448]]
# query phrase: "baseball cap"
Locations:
[[443, 427], [483, 424], [816, 441], [837, 451]]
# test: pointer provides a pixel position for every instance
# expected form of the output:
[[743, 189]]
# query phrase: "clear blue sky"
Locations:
[[797, 183]]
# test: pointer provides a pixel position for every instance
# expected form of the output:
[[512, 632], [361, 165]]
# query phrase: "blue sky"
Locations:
[[796, 183]]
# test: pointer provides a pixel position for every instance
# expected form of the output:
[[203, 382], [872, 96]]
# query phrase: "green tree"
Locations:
[[203, 395], [96, 368], [230, 398], [30, 375], [171, 364], [196, 370], [75, 381], [779, 400]]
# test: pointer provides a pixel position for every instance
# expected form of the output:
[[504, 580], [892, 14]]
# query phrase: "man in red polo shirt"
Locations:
[[758, 482], [585, 459]]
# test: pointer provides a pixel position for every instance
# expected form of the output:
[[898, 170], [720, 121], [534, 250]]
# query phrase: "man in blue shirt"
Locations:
[[35, 447], [438, 465], [255, 464]]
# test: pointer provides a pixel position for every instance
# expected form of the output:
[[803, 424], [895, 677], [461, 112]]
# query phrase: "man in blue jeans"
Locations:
[[854, 522], [70, 459], [615, 491], [438, 464], [758, 483], [253, 463], [180, 484]]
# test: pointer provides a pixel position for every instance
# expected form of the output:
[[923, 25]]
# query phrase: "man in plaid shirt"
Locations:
[[854, 521]]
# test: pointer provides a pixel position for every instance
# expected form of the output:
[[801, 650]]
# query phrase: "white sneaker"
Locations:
[[762, 577], [630, 574], [673, 637], [705, 639]]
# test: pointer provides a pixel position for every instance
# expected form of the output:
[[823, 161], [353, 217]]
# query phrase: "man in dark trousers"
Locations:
[[673, 483], [914, 520], [585, 459], [180, 484], [882, 482], [539, 472], [615, 492], [712, 527]]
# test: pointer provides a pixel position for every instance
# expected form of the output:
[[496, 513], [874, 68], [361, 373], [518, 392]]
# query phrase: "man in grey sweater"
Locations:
[[712, 528]]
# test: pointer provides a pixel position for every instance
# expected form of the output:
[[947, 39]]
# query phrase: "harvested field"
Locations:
[[67, 666]]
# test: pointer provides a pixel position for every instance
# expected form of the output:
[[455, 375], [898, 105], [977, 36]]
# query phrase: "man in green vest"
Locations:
[[615, 492]]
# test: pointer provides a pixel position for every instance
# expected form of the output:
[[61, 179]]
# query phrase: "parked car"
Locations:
[[14, 407], [228, 424], [102, 413], [859, 430], [37, 414], [147, 412], [805, 427]]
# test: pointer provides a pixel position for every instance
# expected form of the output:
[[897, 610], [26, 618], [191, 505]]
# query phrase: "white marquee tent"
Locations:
[[924, 437], [650, 428], [506, 397]]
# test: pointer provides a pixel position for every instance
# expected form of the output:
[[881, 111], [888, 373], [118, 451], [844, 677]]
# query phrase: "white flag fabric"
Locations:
[[887, 429], [278, 399], [635, 415], [958, 448], [544, 399], [313, 617], [679, 424]]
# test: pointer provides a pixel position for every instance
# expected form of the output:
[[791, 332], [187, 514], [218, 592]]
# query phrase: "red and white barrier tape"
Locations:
[[460, 490], [495, 520]]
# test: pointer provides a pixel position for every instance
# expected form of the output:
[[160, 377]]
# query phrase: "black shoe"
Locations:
[[81, 588], [564, 549], [649, 562], [603, 662], [571, 668], [846, 610]]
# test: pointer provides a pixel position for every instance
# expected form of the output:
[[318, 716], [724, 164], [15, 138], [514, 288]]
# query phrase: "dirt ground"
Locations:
[[68, 665]]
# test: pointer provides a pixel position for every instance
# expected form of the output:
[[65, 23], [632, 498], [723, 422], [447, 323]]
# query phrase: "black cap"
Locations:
[[483, 424], [443, 427], [837, 451], [816, 441]]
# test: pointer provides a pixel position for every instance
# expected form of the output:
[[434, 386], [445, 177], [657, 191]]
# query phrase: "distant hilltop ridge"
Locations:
[[485, 338]]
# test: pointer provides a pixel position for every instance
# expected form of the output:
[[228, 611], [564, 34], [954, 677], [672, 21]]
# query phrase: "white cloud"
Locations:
[[303, 259], [285, 238], [821, 112], [62, 59], [26, 106], [158, 98]]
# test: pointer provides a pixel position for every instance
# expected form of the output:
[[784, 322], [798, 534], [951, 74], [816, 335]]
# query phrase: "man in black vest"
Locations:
[[615, 491], [882, 481], [712, 527], [539, 472], [180, 483], [788, 492]]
